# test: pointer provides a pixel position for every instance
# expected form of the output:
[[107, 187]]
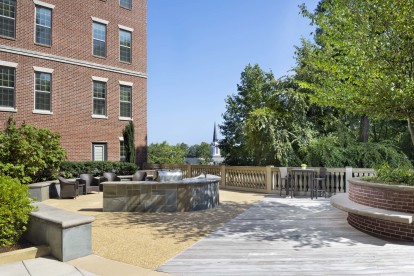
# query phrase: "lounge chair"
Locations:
[[91, 183], [68, 189]]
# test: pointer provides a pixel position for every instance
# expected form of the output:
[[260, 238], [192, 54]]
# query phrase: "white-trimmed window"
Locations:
[[43, 26], [125, 38], [99, 39], [8, 18], [99, 98], [125, 99], [43, 91], [7, 87], [122, 152], [125, 4], [99, 151]]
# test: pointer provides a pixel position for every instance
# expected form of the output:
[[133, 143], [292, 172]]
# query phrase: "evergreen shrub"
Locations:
[[70, 169], [14, 210]]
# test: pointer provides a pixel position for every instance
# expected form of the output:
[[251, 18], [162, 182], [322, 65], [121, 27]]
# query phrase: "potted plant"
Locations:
[[303, 166]]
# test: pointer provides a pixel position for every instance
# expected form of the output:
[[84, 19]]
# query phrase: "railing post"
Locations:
[[348, 175], [189, 171], [269, 179], [223, 176]]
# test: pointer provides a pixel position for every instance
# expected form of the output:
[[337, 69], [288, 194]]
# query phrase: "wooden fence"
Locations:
[[266, 179]]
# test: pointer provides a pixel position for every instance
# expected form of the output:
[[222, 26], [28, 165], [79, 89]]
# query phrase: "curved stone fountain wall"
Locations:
[[185, 195]]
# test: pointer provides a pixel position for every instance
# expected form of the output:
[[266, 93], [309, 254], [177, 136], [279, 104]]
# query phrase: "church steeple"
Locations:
[[214, 133]]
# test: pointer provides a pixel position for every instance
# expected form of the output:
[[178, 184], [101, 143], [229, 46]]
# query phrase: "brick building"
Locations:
[[78, 68]]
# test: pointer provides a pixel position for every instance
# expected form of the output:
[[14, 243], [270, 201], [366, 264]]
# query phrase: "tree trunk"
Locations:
[[364, 129], [411, 129]]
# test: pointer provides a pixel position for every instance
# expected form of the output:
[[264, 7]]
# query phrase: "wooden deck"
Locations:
[[284, 236]]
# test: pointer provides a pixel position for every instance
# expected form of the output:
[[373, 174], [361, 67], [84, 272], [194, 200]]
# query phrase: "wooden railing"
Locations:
[[266, 179]]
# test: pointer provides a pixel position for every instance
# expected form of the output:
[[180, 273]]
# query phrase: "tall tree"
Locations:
[[265, 122], [129, 142], [163, 153], [362, 59]]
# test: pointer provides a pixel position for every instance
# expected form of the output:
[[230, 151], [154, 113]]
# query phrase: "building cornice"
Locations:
[[66, 60]]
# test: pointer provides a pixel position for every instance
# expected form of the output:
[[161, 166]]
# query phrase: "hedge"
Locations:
[[70, 169]]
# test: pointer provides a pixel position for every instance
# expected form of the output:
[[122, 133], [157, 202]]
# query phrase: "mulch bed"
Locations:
[[19, 245]]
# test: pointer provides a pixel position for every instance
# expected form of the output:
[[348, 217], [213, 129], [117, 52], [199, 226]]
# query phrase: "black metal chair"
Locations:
[[91, 183], [68, 189], [285, 181], [319, 183]]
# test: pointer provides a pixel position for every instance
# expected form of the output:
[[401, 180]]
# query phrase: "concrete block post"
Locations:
[[269, 179], [189, 171], [348, 175], [223, 177]]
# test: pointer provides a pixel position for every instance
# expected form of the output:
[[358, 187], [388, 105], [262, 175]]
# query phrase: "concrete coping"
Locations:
[[42, 184], [342, 202], [402, 188], [58, 216], [196, 181]]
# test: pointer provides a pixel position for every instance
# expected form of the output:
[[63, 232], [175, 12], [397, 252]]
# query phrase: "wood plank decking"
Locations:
[[284, 236]]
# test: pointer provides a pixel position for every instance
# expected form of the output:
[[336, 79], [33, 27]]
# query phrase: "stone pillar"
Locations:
[[269, 179], [348, 175]]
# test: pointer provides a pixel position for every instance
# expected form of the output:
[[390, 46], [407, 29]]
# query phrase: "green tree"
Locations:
[[163, 153], [203, 153], [265, 123], [362, 59], [30, 154], [129, 142]]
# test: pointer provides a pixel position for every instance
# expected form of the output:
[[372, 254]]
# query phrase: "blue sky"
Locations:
[[197, 50]]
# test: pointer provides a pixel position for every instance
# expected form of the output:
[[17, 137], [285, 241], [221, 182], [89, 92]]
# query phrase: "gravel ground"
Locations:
[[150, 239]]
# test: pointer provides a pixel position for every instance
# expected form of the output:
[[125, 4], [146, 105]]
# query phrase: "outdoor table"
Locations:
[[307, 173]]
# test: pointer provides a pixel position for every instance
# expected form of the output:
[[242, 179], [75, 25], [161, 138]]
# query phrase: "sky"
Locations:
[[197, 50]]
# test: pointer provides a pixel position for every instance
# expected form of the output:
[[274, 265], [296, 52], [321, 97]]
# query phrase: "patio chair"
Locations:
[[91, 183], [68, 189], [110, 176], [319, 184], [285, 181], [139, 176]]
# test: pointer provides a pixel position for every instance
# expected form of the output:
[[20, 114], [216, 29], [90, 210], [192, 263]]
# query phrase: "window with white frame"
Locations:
[[43, 91], [125, 45], [122, 153], [43, 25], [8, 18], [125, 101], [99, 151], [99, 39], [125, 3], [99, 98], [7, 88]]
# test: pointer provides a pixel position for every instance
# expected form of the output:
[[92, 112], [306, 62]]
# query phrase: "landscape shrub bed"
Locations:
[[398, 175], [71, 169], [14, 210]]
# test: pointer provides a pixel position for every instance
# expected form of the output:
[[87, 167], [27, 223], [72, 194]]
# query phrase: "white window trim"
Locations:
[[8, 64], [126, 83], [43, 69], [99, 79], [125, 118], [8, 109], [41, 111], [122, 27], [43, 4], [44, 112], [99, 116], [98, 20]]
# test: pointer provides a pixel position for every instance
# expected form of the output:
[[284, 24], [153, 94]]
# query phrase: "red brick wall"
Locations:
[[387, 199], [72, 84], [382, 228]]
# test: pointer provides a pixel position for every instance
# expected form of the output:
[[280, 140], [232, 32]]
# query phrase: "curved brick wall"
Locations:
[[382, 228], [395, 198]]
